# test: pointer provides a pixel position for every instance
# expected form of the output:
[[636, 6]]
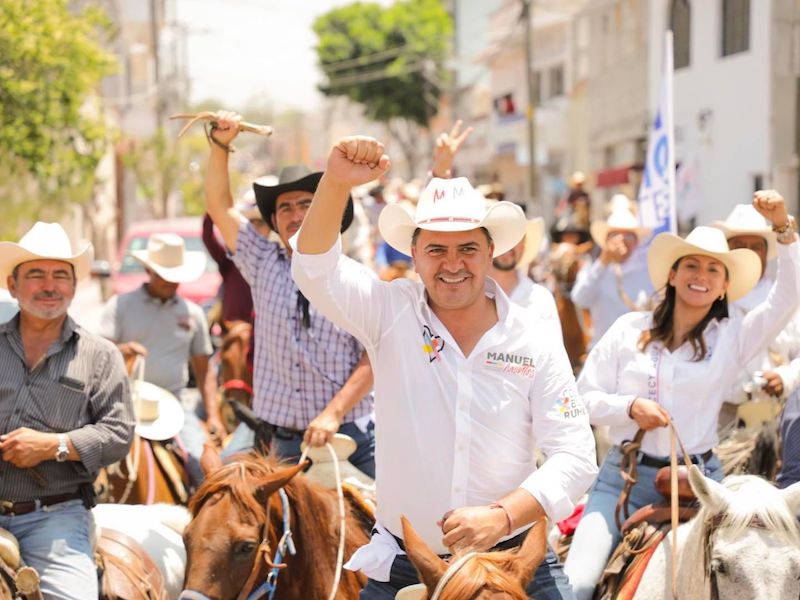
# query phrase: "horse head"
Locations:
[[747, 540], [479, 576], [233, 534]]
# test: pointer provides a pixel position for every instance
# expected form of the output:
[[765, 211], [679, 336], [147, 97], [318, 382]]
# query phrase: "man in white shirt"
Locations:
[[778, 368], [467, 385], [617, 282], [508, 270]]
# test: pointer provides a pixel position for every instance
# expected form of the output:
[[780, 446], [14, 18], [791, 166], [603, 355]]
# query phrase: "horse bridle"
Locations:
[[285, 543], [712, 525]]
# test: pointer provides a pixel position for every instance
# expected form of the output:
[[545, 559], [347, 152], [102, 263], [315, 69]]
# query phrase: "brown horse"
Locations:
[[235, 377], [152, 472], [238, 521], [481, 576]]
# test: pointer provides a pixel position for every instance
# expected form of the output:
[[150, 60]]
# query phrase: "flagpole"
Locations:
[[670, 118]]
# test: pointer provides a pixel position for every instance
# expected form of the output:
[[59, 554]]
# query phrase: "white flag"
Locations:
[[657, 192]]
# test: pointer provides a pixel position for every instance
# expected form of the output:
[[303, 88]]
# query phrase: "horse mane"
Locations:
[[758, 499], [485, 571], [236, 479]]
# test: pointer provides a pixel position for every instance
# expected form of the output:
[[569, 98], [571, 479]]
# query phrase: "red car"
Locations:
[[128, 273]]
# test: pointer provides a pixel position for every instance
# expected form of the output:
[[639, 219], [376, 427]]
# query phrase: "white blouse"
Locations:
[[692, 391]]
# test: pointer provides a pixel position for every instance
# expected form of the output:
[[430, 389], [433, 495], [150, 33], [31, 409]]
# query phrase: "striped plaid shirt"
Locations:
[[296, 370], [80, 389]]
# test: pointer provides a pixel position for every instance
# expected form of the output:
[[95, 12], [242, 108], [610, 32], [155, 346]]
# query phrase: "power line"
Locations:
[[375, 75]]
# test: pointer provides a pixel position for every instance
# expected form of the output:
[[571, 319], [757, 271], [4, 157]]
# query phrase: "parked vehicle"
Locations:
[[128, 273]]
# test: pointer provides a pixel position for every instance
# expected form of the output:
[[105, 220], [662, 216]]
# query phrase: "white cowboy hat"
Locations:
[[452, 205], [744, 266], [620, 219], [418, 591], [746, 220], [166, 255], [44, 241], [322, 470], [159, 414], [534, 234]]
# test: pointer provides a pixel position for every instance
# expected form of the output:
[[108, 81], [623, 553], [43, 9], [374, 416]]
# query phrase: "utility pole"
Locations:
[[527, 20]]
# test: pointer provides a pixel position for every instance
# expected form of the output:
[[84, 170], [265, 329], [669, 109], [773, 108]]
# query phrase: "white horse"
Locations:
[[158, 528], [751, 533]]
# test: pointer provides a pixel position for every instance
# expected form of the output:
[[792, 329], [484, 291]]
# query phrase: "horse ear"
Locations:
[[429, 566], [531, 553], [266, 486], [210, 460], [792, 496], [712, 495]]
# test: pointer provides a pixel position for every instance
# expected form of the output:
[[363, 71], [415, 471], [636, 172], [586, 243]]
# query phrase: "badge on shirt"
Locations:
[[569, 404], [432, 344], [513, 364]]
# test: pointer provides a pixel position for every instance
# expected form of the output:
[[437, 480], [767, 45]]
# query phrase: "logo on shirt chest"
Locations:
[[432, 344], [513, 364], [184, 323]]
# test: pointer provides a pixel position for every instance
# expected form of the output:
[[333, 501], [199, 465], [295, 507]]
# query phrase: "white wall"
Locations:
[[722, 104]]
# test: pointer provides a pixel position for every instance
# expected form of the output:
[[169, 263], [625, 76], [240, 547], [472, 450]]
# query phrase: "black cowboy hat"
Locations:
[[568, 224], [292, 179]]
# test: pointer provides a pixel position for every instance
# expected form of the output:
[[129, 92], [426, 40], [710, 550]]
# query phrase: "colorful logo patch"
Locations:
[[513, 364], [569, 404], [432, 344]]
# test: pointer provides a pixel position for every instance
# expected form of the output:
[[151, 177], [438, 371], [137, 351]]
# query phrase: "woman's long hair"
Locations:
[[663, 316]]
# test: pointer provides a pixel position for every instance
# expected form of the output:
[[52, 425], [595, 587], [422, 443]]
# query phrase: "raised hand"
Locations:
[[447, 146], [225, 127], [355, 160], [771, 205]]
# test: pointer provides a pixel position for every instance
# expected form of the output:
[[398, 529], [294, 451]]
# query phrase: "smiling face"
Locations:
[[290, 210], [453, 266], [43, 288], [698, 281]]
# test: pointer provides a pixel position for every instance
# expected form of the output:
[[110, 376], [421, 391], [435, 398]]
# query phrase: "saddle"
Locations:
[[125, 570]]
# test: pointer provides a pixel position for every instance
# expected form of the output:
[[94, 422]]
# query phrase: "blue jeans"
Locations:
[[193, 436], [363, 458], [597, 534], [790, 432], [548, 583], [58, 541]]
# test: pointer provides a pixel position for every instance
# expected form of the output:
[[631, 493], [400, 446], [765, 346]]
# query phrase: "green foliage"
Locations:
[[51, 60], [388, 59]]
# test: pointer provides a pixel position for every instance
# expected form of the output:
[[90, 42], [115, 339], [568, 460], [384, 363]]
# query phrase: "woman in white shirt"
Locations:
[[676, 363]]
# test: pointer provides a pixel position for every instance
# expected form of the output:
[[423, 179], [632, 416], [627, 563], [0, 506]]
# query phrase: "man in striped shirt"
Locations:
[[311, 378], [65, 411]]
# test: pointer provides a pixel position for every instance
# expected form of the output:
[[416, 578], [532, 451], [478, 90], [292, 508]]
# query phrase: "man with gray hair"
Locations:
[[65, 411]]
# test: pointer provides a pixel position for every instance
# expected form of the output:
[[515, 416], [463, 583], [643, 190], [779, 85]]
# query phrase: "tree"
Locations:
[[52, 136], [390, 60]]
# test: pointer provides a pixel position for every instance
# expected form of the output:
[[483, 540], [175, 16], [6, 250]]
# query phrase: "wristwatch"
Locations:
[[785, 234], [62, 452]]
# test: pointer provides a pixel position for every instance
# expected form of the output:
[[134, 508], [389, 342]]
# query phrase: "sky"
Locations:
[[241, 49]]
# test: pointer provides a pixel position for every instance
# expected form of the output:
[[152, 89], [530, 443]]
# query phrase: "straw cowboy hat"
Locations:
[[44, 241], [292, 179], [746, 220], [534, 234], [418, 591], [159, 414], [744, 266], [323, 472], [620, 219], [452, 205], [166, 255]]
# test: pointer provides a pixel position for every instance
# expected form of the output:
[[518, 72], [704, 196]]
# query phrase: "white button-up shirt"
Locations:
[[596, 289], [616, 371], [537, 299], [455, 430]]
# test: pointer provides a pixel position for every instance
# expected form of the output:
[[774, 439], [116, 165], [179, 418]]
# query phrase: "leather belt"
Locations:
[[657, 463], [16, 509]]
